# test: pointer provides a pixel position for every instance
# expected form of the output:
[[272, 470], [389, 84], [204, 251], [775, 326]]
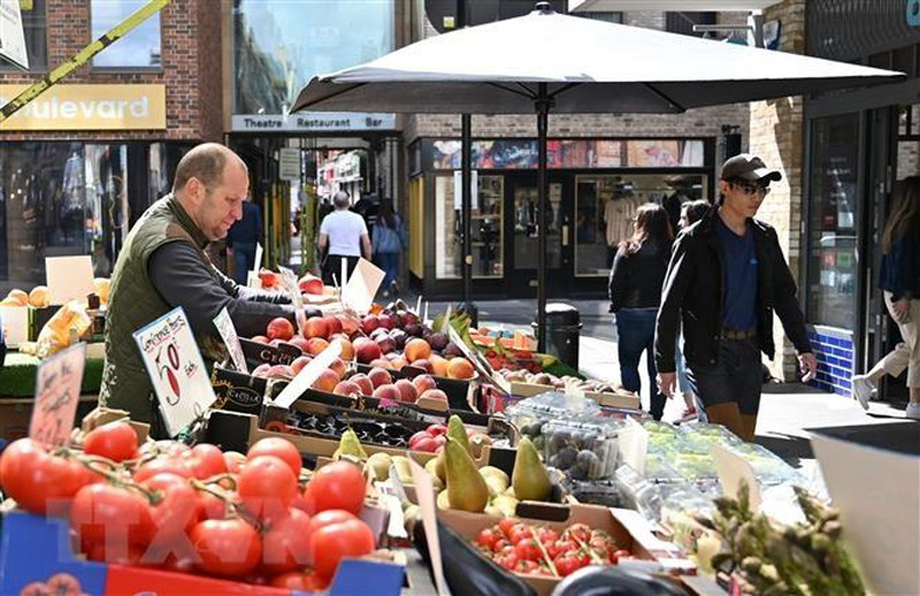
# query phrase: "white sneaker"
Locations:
[[913, 411], [862, 390]]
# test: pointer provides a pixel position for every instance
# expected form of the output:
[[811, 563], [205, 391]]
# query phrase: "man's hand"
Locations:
[[666, 383], [900, 309], [808, 364]]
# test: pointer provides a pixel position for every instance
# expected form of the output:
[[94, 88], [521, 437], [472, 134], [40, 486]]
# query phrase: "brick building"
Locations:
[[83, 160]]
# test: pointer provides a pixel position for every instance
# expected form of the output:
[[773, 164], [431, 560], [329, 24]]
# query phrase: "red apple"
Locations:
[[407, 391], [299, 363], [436, 429], [423, 383], [389, 392], [347, 388], [362, 380], [326, 381], [379, 376], [428, 445], [415, 438], [366, 350], [280, 328], [369, 323]]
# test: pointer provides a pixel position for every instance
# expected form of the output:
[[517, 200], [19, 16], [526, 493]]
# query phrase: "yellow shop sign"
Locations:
[[89, 107]]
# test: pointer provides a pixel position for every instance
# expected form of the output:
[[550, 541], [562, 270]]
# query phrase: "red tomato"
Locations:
[[207, 461], [233, 461], [300, 502], [116, 441], [327, 518], [545, 535], [520, 532], [267, 486], [37, 481], [568, 563], [112, 517], [487, 538], [580, 531], [302, 582], [500, 545], [178, 511], [330, 544], [506, 524], [286, 546], [339, 485], [280, 448], [554, 549], [527, 549], [173, 465], [526, 566], [227, 547], [506, 559], [211, 506]]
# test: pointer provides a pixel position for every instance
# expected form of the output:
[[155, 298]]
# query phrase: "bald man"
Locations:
[[163, 265]]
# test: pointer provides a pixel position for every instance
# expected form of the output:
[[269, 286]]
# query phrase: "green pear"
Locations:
[[431, 468], [457, 431], [497, 473], [379, 465], [506, 505], [350, 445], [495, 486], [401, 463], [466, 488], [530, 479], [443, 501], [439, 471], [493, 511]]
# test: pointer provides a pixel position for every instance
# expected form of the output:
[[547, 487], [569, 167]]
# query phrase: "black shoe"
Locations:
[[394, 288]]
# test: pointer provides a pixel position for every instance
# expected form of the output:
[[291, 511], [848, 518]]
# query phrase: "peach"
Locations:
[[261, 371], [386, 344], [407, 392], [369, 323], [260, 339], [417, 349], [381, 363], [363, 382], [348, 350], [40, 297], [398, 362], [366, 350], [268, 277], [388, 391], [379, 376], [347, 388], [338, 366], [326, 381], [460, 368], [439, 365], [423, 364], [433, 394], [424, 382], [333, 324], [310, 284], [300, 342], [280, 328], [280, 371], [349, 326], [315, 345], [300, 362], [19, 296], [316, 327], [386, 321]]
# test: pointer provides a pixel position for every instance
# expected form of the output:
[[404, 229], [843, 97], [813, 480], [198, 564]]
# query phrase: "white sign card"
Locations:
[[358, 294], [308, 375], [474, 190], [228, 332], [57, 393], [69, 278], [289, 281], [733, 470], [12, 36], [876, 493], [253, 279], [289, 163], [15, 324], [176, 369]]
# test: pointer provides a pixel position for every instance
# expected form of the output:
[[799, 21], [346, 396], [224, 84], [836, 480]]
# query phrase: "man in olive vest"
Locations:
[[163, 265]]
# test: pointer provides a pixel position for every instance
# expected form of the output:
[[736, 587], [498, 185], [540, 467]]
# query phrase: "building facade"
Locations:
[[81, 162]]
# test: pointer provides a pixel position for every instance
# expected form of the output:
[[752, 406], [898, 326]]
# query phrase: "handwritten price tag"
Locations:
[[227, 331], [289, 280], [176, 369], [57, 392]]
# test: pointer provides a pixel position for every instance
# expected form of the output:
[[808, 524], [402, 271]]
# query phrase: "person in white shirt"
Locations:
[[344, 234]]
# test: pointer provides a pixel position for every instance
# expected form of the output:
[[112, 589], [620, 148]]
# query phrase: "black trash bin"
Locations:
[[563, 327]]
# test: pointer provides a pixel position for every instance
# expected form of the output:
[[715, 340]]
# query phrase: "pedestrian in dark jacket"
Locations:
[[726, 277], [242, 239], [635, 291], [900, 281]]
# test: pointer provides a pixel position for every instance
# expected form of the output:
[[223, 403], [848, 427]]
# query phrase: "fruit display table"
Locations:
[[17, 378]]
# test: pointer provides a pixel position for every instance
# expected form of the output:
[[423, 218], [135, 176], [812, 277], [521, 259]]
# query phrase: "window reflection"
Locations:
[[140, 48], [486, 228], [281, 44]]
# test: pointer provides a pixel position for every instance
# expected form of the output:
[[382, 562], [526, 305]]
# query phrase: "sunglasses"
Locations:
[[749, 188]]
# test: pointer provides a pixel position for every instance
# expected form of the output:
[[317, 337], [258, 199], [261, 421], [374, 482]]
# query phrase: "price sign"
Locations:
[[175, 368], [57, 392], [289, 280], [358, 294], [228, 332]]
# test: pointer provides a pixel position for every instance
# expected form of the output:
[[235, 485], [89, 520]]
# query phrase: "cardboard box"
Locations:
[[623, 400], [37, 550], [627, 527], [16, 414]]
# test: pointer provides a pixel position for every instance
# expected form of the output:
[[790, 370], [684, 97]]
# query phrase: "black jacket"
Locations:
[[693, 292], [635, 280]]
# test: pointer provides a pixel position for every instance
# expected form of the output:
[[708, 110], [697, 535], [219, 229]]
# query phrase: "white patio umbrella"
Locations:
[[546, 62]]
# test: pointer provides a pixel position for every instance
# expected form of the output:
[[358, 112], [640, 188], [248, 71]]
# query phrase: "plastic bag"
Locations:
[[67, 325]]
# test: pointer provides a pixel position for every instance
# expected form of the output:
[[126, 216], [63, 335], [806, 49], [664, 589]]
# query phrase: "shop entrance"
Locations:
[[521, 197]]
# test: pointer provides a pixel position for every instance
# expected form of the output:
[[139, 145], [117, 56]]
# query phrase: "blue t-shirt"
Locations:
[[739, 275]]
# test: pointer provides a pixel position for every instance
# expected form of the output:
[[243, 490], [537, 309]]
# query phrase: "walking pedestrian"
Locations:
[[635, 291], [726, 277], [389, 240], [900, 283], [344, 234], [242, 239], [690, 213]]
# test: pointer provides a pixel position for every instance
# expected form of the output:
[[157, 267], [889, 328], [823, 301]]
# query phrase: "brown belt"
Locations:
[[736, 334]]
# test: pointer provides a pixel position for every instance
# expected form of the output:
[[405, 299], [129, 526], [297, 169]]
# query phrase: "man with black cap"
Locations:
[[726, 276]]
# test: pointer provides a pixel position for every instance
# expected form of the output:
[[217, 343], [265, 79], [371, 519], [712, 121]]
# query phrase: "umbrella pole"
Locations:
[[466, 209], [542, 103]]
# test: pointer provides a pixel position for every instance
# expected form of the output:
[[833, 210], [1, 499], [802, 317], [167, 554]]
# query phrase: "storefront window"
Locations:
[[279, 45], [35, 31], [140, 48], [107, 212], [832, 267], [486, 228], [606, 205]]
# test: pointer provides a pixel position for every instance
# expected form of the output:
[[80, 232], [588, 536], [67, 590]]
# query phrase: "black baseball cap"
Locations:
[[746, 166]]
